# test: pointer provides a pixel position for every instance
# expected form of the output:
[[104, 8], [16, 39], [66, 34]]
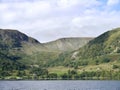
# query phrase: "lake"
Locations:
[[60, 85]]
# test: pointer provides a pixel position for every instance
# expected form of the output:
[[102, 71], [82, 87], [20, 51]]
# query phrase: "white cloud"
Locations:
[[65, 4], [112, 2], [48, 20], [97, 24]]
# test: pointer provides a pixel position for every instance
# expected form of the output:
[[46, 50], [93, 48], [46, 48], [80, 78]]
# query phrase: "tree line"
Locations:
[[44, 74]]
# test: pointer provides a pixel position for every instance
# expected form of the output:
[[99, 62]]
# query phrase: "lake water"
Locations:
[[60, 85]]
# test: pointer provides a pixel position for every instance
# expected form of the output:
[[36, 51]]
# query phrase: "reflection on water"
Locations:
[[66, 89], [60, 85]]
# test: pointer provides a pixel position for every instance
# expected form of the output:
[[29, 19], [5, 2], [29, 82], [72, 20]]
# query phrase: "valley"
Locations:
[[83, 58]]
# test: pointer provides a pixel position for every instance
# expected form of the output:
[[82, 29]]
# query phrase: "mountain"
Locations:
[[13, 38], [67, 44], [72, 58], [102, 49], [15, 45], [14, 41], [107, 43]]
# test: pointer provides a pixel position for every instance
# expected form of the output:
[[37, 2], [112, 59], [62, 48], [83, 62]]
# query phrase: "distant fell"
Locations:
[[14, 44], [105, 44], [13, 38], [67, 44]]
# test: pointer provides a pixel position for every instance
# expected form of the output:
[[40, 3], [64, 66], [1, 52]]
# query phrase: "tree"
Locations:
[[115, 66], [52, 76], [64, 76]]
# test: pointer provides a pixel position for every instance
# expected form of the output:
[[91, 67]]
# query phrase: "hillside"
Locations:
[[68, 58], [13, 38], [67, 44], [102, 49], [105, 44], [15, 43]]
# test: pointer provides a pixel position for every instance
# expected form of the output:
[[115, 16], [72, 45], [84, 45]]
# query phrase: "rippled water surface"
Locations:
[[60, 85]]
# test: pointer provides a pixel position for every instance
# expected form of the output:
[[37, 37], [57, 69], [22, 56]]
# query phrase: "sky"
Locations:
[[48, 20]]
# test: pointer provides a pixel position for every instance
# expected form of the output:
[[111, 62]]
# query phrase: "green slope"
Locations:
[[67, 44], [107, 43], [102, 49], [24, 57]]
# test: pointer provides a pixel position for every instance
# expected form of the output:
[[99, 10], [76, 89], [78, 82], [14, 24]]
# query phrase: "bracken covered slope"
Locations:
[[105, 44]]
